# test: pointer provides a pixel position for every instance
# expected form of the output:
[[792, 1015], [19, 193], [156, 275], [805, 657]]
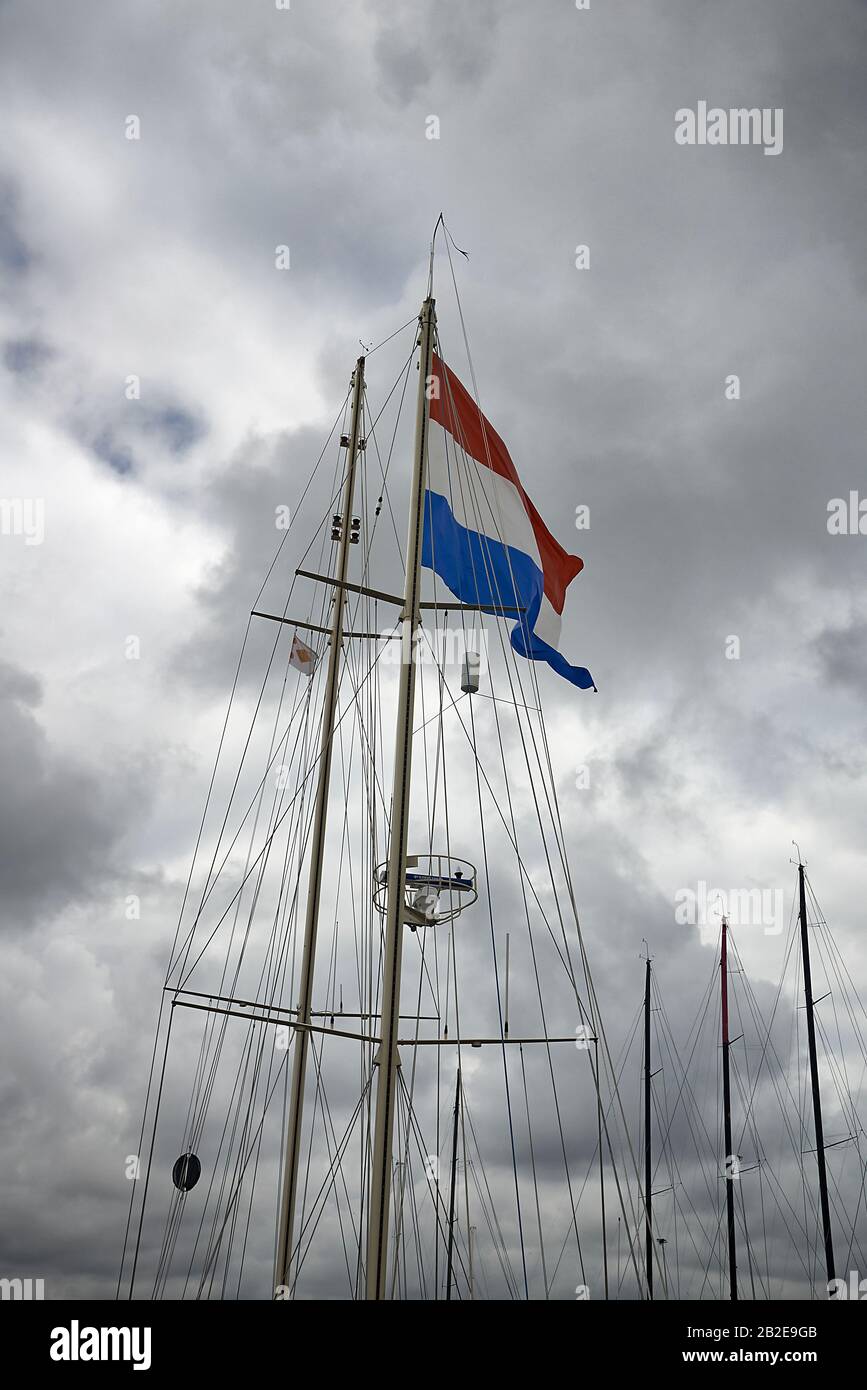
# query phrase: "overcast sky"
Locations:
[[154, 257]]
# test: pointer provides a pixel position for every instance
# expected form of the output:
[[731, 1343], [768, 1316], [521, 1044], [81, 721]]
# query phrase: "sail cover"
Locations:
[[482, 534]]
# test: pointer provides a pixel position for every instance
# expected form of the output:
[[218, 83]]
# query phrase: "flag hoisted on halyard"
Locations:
[[302, 657], [482, 534]]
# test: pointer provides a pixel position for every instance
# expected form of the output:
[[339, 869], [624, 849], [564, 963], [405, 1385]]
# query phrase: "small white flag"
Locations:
[[302, 657]]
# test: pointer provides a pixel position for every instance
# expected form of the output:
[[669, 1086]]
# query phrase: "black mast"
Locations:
[[648, 1223], [452, 1190], [814, 1076], [730, 1159]]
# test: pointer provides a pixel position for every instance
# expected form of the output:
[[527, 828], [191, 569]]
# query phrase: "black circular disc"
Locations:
[[186, 1172]]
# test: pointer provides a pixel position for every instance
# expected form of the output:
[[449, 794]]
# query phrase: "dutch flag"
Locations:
[[482, 534]]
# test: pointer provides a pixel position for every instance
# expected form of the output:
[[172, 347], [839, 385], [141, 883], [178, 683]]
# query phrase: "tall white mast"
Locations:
[[380, 1185], [282, 1273]]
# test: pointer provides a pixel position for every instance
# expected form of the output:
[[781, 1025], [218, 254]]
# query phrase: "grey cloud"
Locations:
[[118, 457], [428, 41], [14, 254], [25, 356], [59, 823], [178, 428], [842, 654]]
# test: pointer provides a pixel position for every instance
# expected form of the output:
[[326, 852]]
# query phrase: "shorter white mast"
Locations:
[[282, 1271]]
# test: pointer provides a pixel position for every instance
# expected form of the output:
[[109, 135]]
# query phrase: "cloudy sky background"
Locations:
[[155, 257]]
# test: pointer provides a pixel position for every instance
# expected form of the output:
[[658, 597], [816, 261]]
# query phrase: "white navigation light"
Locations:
[[470, 673]]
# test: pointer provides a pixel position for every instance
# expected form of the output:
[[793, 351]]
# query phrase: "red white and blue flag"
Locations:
[[482, 534]]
